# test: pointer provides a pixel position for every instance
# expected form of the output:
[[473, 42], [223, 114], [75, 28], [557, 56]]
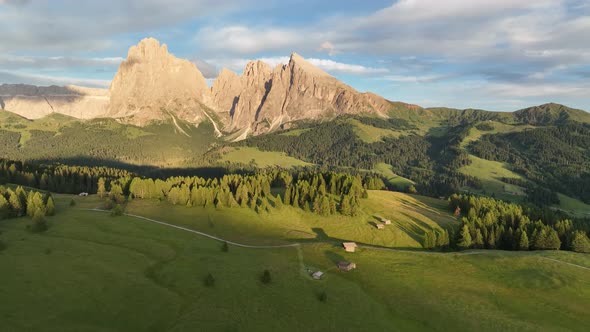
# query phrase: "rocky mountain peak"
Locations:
[[152, 84], [298, 63], [263, 100], [257, 67], [148, 49]]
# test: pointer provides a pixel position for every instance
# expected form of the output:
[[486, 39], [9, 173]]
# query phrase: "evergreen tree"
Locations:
[[552, 240], [478, 240], [117, 193], [50, 207], [464, 238], [4, 207], [345, 208], [580, 242], [101, 190], [266, 278], [209, 280], [523, 244], [225, 247]]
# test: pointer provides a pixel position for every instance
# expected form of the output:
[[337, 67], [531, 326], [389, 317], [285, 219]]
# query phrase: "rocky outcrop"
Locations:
[[34, 102], [262, 100], [151, 84]]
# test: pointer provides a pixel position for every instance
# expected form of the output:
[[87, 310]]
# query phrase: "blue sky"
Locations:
[[497, 55]]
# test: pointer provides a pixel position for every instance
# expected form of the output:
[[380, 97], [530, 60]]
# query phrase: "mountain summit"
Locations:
[[152, 83], [262, 99]]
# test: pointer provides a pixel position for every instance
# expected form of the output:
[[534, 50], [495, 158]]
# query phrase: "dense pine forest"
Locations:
[[492, 224]]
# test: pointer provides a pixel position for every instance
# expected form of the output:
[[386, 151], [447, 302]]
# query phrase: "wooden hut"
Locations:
[[346, 266], [349, 246]]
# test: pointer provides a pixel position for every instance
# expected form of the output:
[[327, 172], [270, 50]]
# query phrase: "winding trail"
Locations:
[[298, 244], [205, 234]]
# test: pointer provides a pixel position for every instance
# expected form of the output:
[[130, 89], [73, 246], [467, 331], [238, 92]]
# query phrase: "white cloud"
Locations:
[[60, 25], [330, 66], [11, 77], [345, 68], [245, 40], [328, 47], [413, 79], [56, 62], [544, 90]]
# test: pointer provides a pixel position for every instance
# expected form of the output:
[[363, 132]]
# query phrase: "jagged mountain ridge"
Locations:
[[263, 99], [154, 85]]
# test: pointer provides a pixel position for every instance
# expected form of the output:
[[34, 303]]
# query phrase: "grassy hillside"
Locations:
[[411, 217], [262, 159], [102, 141], [93, 272]]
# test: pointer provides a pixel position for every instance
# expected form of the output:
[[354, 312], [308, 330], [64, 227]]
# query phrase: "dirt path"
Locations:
[[300, 254], [205, 234]]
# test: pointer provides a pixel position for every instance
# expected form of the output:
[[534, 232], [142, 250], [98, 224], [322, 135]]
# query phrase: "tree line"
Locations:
[[58, 178], [324, 193], [21, 202], [488, 223]]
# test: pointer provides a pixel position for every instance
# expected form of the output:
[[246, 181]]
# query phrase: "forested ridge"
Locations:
[[557, 158], [430, 161]]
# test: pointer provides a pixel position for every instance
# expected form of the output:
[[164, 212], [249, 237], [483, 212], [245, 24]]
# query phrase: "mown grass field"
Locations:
[[411, 217], [93, 272]]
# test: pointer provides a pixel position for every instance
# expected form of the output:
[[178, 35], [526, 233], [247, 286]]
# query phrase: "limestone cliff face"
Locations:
[[151, 84], [34, 102], [262, 100]]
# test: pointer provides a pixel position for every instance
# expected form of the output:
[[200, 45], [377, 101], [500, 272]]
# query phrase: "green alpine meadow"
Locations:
[[391, 165]]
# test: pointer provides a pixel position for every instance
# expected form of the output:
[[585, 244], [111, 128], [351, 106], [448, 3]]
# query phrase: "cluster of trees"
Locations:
[[494, 224], [58, 178], [324, 193], [556, 157], [20, 202]]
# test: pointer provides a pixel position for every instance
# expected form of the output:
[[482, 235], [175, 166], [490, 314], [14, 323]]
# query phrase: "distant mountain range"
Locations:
[[153, 85]]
